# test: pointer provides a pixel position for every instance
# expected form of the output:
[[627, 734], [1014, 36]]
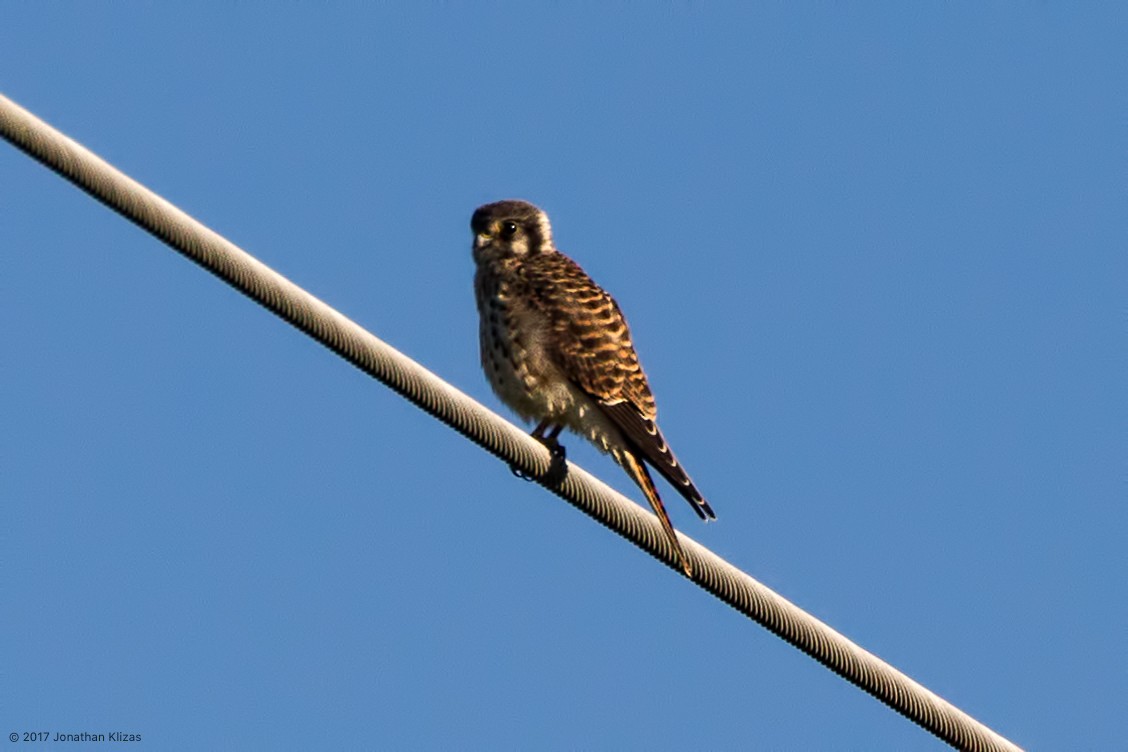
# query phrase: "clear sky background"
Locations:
[[874, 260]]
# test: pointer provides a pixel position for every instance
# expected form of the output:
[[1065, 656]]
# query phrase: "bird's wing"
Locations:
[[643, 433], [592, 345]]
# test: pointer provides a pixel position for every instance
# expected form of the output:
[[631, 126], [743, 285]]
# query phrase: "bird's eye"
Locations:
[[508, 230]]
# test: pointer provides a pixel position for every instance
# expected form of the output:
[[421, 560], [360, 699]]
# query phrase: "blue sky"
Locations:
[[873, 258]]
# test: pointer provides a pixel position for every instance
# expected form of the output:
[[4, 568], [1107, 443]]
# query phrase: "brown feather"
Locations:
[[593, 347], [592, 341], [645, 436], [637, 470]]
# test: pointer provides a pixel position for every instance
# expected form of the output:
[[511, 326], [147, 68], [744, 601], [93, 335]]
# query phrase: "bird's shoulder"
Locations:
[[556, 275]]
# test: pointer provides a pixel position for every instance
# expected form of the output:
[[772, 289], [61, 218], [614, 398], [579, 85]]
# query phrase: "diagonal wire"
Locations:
[[496, 435]]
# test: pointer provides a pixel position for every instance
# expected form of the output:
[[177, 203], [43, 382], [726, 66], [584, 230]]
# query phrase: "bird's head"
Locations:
[[510, 230]]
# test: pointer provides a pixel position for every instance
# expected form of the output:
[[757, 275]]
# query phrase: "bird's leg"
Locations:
[[550, 441], [559, 465]]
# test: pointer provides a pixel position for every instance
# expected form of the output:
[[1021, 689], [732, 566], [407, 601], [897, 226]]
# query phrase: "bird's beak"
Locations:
[[481, 239]]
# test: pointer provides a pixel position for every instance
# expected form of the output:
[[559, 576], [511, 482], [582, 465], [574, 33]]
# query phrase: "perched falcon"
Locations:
[[557, 350]]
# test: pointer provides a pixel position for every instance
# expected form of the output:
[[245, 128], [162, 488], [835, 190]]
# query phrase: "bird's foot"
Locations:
[[558, 465], [555, 448]]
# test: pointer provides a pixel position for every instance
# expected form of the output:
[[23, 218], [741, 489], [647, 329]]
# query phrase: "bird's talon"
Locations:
[[521, 474]]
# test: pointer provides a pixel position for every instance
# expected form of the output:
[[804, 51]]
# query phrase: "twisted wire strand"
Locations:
[[499, 437]]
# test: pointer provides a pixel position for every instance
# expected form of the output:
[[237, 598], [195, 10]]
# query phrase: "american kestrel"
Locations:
[[557, 350]]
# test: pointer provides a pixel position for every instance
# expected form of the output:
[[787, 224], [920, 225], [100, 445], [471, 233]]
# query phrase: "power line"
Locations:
[[499, 437]]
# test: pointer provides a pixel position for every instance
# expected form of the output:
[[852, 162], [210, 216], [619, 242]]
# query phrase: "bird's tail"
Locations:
[[638, 472]]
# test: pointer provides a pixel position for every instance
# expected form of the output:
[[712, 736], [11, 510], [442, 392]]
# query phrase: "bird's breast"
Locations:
[[516, 351]]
